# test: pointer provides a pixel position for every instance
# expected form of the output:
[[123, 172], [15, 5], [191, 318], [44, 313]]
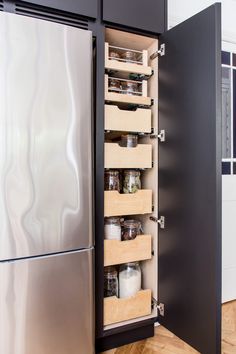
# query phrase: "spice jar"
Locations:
[[129, 56], [114, 85], [110, 281], [131, 229], [112, 181], [130, 88], [129, 140], [112, 228], [129, 279], [114, 55], [131, 181]]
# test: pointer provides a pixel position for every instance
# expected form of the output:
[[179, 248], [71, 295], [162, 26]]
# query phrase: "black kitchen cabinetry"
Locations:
[[146, 15], [86, 8]]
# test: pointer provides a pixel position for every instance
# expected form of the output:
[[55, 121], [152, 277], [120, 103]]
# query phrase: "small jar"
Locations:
[[114, 85], [110, 281], [129, 56], [130, 88], [112, 228], [129, 279], [129, 140], [114, 55], [112, 181], [131, 229], [132, 181]]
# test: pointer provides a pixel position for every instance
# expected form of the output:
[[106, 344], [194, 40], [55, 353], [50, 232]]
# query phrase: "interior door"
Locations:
[[190, 180]]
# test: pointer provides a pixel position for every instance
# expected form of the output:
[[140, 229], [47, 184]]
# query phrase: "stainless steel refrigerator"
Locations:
[[46, 221]]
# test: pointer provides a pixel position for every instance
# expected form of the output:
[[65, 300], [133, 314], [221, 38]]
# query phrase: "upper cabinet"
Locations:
[[147, 15], [81, 7]]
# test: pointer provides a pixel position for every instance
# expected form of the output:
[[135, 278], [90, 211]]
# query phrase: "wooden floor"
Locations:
[[165, 342]]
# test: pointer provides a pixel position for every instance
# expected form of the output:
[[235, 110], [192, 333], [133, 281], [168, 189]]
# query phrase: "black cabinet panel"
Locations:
[[189, 270], [148, 15], [79, 7]]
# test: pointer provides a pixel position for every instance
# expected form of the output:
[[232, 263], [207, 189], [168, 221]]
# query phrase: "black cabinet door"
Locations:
[[80, 7], [147, 15], [190, 181]]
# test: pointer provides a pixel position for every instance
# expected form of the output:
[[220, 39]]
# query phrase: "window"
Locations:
[[228, 113]]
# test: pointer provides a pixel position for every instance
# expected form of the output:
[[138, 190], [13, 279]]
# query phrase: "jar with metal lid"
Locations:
[[114, 55], [131, 229], [112, 181], [129, 56], [114, 85], [129, 140], [110, 281], [132, 181], [129, 279], [130, 88], [112, 228]]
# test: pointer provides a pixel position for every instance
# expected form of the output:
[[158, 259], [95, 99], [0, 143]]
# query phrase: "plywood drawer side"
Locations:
[[117, 204], [131, 99], [116, 65], [138, 121], [123, 157], [118, 252], [118, 310]]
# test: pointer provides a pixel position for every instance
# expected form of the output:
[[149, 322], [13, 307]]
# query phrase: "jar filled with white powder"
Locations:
[[129, 279], [112, 228]]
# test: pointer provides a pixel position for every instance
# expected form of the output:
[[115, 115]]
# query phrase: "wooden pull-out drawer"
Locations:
[[138, 121], [117, 204], [118, 252], [124, 98], [118, 310], [117, 156], [134, 68]]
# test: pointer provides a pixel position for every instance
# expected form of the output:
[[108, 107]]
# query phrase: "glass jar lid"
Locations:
[[132, 224]]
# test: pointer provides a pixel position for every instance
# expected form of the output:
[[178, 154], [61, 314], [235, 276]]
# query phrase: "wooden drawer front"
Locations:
[[116, 65], [129, 121], [123, 98], [117, 156], [118, 310], [118, 252], [117, 204]]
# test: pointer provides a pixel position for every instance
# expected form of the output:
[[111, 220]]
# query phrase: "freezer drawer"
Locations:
[[45, 137], [46, 305]]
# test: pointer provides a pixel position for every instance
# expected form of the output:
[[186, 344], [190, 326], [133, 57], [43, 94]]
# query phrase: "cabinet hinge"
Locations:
[[160, 307], [161, 222], [160, 52], [162, 135]]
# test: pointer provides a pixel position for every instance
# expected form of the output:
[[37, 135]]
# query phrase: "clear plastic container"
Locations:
[[114, 85], [112, 181], [131, 181], [113, 55], [131, 229], [129, 56], [129, 279], [112, 228], [110, 281], [130, 88], [129, 140]]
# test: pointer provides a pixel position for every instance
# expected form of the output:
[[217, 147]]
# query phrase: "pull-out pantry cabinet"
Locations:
[[177, 115]]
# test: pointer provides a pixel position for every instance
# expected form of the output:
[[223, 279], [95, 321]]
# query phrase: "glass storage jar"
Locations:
[[112, 181], [114, 55], [131, 229], [112, 228], [130, 88], [110, 281], [129, 56], [114, 85], [129, 140], [132, 181], [129, 279]]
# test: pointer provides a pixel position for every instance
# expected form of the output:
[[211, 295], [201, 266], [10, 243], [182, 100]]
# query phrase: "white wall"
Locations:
[[178, 11]]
